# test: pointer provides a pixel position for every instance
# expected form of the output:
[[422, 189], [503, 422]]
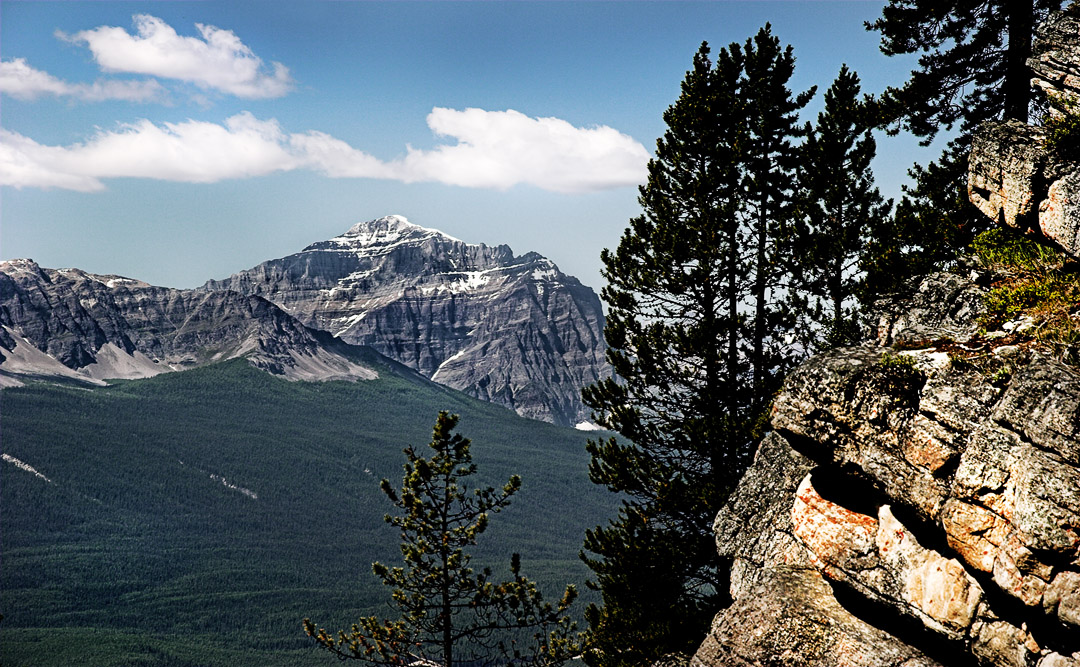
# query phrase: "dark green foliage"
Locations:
[[971, 69], [694, 331], [769, 168], [450, 614], [840, 208], [136, 553], [972, 62], [1063, 129], [930, 228]]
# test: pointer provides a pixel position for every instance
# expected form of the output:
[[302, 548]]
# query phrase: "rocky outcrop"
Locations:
[[784, 612], [512, 330], [1013, 176], [74, 324], [917, 501], [1056, 67]]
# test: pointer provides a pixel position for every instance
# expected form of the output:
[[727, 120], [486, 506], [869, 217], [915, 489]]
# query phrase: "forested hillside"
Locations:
[[195, 518]]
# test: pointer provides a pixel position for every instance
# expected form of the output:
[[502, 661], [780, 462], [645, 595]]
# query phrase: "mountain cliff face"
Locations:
[[512, 330], [69, 323], [911, 507]]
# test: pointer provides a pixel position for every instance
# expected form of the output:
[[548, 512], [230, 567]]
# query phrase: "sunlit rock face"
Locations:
[[509, 329], [1014, 177], [909, 508], [86, 327]]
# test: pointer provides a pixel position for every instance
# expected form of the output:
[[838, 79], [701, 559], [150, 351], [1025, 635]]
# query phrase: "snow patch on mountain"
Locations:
[[588, 426], [387, 232], [457, 355]]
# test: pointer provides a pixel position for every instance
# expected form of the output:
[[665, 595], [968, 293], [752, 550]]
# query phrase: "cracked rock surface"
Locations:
[[909, 508]]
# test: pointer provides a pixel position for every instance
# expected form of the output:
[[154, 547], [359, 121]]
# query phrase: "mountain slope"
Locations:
[[82, 326], [512, 330], [195, 518]]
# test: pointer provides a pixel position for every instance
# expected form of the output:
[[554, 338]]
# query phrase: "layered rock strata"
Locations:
[[1014, 177], [917, 501], [74, 324], [1056, 65], [507, 329]]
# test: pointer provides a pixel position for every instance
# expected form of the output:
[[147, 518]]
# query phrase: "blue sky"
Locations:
[[136, 142]]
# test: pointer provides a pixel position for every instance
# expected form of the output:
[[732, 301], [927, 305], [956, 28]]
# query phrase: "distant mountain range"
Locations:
[[512, 330]]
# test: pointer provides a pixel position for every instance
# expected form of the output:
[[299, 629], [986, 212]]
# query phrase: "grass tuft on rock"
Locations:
[[1037, 291]]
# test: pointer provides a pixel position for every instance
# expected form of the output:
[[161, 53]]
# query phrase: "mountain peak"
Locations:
[[386, 230]]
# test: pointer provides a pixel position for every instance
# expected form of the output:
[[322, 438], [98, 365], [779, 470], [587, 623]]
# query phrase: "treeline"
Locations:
[[763, 239]]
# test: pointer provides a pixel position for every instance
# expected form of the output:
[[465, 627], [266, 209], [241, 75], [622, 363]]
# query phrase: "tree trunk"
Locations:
[[760, 284], [1017, 86], [733, 324]]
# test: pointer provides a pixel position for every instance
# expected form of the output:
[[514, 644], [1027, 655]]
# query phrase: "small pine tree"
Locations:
[[450, 614]]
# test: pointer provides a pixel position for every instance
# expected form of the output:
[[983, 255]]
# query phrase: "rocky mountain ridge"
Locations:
[[81, 326], [507, 329], [511, 330]]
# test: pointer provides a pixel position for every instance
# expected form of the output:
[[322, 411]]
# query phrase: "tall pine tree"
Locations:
[[972, 69], [769, 179], [839, 208], [677, 344], [693, 325]]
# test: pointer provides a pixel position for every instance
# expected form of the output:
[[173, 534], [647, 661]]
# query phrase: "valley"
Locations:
[[195, 518]]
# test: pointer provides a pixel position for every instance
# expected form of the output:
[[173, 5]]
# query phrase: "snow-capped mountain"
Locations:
[[82, 326], [512, 330]]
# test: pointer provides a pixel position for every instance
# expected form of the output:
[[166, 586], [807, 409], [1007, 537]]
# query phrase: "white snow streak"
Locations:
[[247, 492], [24, 466]]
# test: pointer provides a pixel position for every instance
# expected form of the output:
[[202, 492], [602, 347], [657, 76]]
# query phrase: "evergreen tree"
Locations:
[[769, 177], [972, 68], [449, 613], [840, 207], [972, 65], [677, 343], [693, 328]]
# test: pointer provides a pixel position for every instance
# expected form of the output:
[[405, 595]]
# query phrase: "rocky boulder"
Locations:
[[917, 501], [1056, 67], [1014, 178]]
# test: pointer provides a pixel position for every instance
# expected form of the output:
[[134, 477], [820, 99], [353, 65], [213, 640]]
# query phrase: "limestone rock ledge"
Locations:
[[1013, 177], [909, 508]]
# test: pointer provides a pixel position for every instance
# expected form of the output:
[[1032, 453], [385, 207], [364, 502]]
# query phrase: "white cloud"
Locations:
[[189, 152], [499, 149], [218, 61], [494, 149], [20, 80]]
